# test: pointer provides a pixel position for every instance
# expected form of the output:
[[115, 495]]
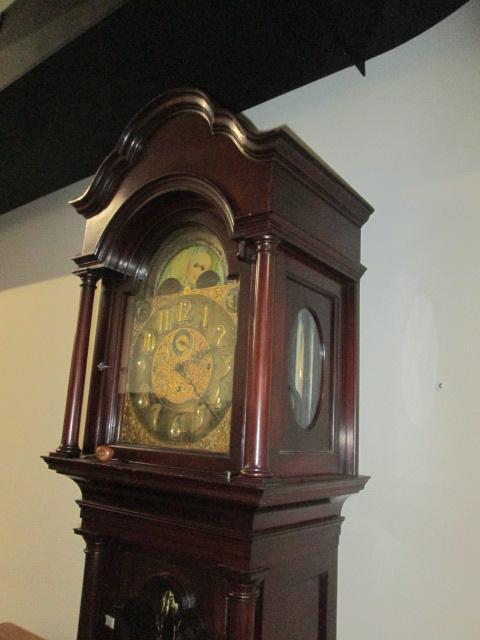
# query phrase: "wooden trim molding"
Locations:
[[278, 145]]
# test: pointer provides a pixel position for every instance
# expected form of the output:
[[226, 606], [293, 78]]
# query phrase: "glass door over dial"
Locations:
[[180, 347]]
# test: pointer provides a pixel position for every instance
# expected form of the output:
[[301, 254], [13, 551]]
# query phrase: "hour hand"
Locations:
[[181, 369]]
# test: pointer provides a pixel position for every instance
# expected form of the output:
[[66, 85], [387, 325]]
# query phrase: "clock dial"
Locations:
[[180, 370]]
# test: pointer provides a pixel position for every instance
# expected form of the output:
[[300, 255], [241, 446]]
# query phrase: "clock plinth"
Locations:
[[258, 561], [220, 439]]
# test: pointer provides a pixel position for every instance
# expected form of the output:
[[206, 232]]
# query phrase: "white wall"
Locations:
[[41, 560], [408, 139]]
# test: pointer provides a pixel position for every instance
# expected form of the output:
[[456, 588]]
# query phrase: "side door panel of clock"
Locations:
[[310, 416]]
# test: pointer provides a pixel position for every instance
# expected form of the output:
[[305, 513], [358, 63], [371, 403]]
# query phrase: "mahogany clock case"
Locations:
[[234, 543], [290, 229]]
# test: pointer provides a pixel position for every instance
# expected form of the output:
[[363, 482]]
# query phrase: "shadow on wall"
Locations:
[[39, 239]]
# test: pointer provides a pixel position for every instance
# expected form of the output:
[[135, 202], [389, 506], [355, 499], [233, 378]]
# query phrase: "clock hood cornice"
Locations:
[[278, 146], [140, 130], [183, 143]]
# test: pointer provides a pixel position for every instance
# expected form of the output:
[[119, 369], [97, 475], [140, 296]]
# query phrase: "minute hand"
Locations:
[[182, 368]]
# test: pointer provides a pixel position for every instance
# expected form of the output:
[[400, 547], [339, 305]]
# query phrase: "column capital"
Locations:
[[236, 576], [266, 243], [95, 542], [90, 275]]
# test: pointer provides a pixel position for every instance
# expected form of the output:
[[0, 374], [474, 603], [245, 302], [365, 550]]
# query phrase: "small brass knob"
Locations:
[[104, 453]]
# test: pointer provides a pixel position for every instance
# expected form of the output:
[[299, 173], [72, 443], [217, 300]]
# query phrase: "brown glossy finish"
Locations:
[[99, 374], [258, 398], [258, 560], [76, 383], [91, 615], [249, 537], [243, 594]]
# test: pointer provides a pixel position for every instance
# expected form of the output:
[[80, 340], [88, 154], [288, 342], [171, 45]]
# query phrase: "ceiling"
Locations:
[[63, 110]]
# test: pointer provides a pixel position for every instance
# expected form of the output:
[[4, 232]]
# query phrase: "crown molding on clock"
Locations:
[[277, 145]]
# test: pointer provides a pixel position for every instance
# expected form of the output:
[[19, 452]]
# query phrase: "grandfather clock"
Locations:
[[220, 433]]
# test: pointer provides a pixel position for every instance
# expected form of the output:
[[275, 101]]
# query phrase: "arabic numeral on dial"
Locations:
[[148, 342], [205, 317], [177, 426], [216, 400], [184, 309], [198, 419], [164, 320], [221, 332]]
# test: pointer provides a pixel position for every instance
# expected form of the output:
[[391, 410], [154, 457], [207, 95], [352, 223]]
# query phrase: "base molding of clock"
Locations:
[[150, 481], [247, 559]]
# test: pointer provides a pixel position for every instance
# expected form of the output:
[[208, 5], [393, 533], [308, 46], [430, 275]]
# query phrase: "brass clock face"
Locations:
[[180, 369]]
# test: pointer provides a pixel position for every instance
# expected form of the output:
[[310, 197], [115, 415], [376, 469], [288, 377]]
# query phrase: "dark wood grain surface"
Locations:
[[244, 542]]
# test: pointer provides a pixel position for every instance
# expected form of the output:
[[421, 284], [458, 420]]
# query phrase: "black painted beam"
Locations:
[[59, 120]]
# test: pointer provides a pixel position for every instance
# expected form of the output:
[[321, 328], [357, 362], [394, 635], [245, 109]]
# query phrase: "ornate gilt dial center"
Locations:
[[182, 366]]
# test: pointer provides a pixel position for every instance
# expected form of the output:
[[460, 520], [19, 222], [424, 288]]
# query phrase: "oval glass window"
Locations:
[[306, 356]]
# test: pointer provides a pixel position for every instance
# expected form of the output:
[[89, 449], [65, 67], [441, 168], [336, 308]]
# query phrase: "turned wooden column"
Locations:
[[71, 425], [350, 379], [91, 619], [100, 369], [243, 594], [256, 462]]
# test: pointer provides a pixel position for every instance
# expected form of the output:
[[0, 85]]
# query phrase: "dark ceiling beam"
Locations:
[[32, 30], [323, 12], [59, 121]]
